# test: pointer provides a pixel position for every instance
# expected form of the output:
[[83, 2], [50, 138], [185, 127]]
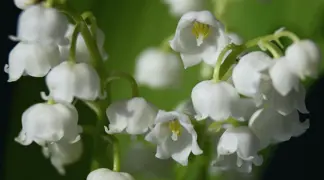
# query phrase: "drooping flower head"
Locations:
[[158, 69], [107, 174], [134, 116], [69, 80], [175, 137], [48, 123]]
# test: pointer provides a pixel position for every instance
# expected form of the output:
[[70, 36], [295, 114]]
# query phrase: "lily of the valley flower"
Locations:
[[107, 174], [242, 142], [134, 116], [69, 80], [179, 7], [214, 100], [175, 137], [196, 37], [42, 25], [303, 58], [48, 123], [82, 53], [62, 154], [32, 59], [271, 127], [158, 69], [250, 76]]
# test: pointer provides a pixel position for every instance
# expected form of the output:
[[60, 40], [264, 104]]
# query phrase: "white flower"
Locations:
[[62, 154], [195, 34], [179, 7], [250, 74], [283, 79], [175, 137], [242, 142], [158, 69], [107, 174], [23, 4], [42, 25], [47, 123], [82, 53], [135, 116], [303, 58], [289, 103], [272, 127], [214, 100], [69, 80], [32, 59]]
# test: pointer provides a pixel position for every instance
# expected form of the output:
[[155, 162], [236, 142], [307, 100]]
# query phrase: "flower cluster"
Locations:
[[252, 100]]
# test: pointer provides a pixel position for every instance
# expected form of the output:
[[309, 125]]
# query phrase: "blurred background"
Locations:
[[131, 26]]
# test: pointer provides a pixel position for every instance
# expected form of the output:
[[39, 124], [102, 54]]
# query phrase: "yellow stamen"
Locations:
[[201, 31], [175, 127]]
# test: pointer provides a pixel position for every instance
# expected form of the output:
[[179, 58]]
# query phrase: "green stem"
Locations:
[[220, 58], [74, 40], [88, 15], [116, 154], [274, 50], [115, 75]]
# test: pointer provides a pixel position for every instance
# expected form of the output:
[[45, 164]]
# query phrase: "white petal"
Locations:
[[158, 69], [107, 174], [190, 59], [247, 75], [42, 25], [179, 7], [228, 143], [23, 4], [303, 58], [283, 79]]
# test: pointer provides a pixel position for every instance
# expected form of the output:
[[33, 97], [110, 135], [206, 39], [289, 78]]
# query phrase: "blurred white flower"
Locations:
[[197, 36], [69, 80], [23, 4], [304, 58], [31, 59], [179, 7], [62, 154], [214, 100], [135, 116], [175, 137], [82, 53], [38, 24], [186, 107], [238, 148], [47, 123], [250, 75], [158, 69], [107, 174], [271, 127]]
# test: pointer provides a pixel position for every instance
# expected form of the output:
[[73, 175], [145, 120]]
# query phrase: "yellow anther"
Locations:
[[175, 127], [200, 30]]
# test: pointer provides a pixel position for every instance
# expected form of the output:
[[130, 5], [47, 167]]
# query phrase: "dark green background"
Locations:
[[131, 26]]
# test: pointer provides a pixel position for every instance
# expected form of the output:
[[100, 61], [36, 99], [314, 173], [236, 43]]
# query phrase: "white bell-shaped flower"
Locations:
[[107, 174], [42, 25], [242, 142], [47, 123], [23, 4], [289, 103], [158, 69], [62, 154], [196, 33], [271, 127], [249, 74], [304, 58], [135, 116], [179, 7], [214, 100], [175, 137], [69, 80], [283, 79], [82, 53], [31, 59]]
